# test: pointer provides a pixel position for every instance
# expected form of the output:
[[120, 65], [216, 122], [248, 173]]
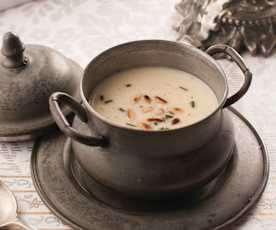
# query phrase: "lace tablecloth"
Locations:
[[81, 29]]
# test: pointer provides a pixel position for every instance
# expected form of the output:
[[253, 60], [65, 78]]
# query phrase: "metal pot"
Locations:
[[153, 164]]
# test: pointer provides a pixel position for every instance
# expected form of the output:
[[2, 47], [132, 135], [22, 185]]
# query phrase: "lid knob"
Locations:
[[13, 51]]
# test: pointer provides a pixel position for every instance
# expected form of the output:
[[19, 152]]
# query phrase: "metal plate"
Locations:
[[246, 179]]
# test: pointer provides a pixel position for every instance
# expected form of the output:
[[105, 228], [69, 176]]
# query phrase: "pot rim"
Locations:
[[182, 46]]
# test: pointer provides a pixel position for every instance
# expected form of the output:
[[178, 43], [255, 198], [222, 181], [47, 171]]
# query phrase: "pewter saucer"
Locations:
[[221, 203]]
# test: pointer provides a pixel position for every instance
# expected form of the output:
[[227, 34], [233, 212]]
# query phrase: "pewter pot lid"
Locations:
[[29, 74]]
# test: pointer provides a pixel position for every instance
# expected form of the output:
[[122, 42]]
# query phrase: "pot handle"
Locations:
[[63, 123], [221, 48]]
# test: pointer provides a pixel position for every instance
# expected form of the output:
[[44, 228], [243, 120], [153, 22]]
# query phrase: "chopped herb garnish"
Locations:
[[155, 123], [175, 121], [177, 109], [168, 116], [164, 128], [128, 85], [130, 114], [102, 97], [147, 98], [185, 89], [170, 112], [130, 125], [121, 109], [154, 120], [160, 100], [145, 126], [137, 98], [108, 101], [192, 104]]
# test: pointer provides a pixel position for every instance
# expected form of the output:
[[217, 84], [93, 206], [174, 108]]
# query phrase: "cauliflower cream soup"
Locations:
[[153, 98]]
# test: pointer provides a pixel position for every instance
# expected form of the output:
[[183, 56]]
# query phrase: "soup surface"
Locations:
[[153, 98]]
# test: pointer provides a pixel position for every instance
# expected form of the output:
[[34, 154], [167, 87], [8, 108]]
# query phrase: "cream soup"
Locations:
[[153, 98]]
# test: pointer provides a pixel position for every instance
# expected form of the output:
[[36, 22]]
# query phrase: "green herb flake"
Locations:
[[128, 85], [171, 113], [155, 123], [108, 101], [175, 121], [185, 89], [193, 104], [121, 109], [168, 116], [129, 124]]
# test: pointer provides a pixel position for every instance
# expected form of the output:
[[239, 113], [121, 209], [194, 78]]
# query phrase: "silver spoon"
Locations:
[[8, 209]]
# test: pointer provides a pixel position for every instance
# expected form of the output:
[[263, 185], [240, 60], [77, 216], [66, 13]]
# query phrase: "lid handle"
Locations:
[[13, 51]]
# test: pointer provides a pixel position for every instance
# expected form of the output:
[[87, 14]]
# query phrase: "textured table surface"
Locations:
[[81, 29]]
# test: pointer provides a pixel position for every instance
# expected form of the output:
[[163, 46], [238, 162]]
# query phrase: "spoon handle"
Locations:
[[20, 225]]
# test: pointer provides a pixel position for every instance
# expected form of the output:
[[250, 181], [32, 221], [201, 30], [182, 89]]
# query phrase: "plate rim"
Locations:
[[245, 209]]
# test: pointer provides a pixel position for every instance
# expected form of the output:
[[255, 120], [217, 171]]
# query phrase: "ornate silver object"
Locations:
[[198, 19], [242, 24]]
